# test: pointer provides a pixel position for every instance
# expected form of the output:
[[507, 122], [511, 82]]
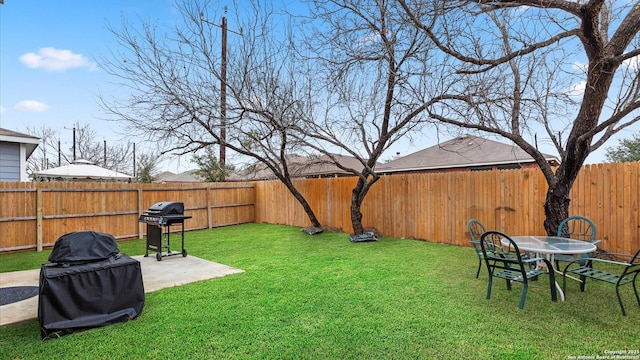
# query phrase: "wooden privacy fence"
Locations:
[[433, 207], [33, 215], [437, 206]]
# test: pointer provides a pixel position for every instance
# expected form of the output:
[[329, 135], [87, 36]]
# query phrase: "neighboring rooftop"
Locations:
[[189, 176], [11, 136], [464, 152], [303, 167]]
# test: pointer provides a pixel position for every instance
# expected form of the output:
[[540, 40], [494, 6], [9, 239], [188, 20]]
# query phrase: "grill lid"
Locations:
[[82, 247], [167, 208]]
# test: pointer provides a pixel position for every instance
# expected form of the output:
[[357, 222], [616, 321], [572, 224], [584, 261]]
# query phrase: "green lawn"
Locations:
[[322, 297]]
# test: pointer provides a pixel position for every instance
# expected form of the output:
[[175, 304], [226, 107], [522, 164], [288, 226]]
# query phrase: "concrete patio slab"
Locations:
[[156, 275]]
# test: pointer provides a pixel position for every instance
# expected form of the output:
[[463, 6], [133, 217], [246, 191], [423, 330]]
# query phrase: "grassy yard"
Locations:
[[322, 297]]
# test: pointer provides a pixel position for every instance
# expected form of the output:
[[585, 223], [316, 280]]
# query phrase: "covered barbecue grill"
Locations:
[[159, 219], [87, 284]]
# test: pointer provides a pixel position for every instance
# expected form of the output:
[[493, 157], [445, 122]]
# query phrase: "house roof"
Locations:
[[162, 175], [303, 166], [183, 177], [80, 170], [460, 152], [31, 142]]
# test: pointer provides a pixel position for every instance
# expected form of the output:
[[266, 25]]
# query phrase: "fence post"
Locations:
[[39, 219], [208, 199], [140, 205]]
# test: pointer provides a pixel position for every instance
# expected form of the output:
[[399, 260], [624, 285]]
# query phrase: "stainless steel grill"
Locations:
[[159, 219]]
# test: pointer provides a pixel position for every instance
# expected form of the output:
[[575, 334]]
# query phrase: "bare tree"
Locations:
[[564, 72], [173, 79], [376, 83], [85, 144], [113, 156], [45, 154]]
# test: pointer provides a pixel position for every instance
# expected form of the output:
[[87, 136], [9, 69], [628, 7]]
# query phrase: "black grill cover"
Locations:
[[82, 247], [85, 296], [167, 208]]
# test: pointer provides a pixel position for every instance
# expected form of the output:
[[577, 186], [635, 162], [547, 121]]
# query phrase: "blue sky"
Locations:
[[48, 76]]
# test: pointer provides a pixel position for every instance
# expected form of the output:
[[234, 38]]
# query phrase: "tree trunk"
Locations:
[[357, 198], [356, 215], [556, 208], [556, 205], [305, 205], [599, 79]]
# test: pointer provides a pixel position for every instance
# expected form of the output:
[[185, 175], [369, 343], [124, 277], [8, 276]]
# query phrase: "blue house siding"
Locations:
[[9, 162]]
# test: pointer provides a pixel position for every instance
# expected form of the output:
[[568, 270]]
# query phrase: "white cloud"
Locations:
[[577, 89], [52, 59], [2, 109], [31, 106], [370, 39]]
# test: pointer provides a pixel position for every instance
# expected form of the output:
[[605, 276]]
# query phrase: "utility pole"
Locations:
[[74, 144], [223, 93], [223, 85], [134, 159]]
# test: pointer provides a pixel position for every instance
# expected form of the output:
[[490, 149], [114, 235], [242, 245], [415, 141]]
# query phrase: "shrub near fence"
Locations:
[[33, 215], [436, 206]]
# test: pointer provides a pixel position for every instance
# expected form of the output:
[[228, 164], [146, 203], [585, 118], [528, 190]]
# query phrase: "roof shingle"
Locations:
[[462, 151]]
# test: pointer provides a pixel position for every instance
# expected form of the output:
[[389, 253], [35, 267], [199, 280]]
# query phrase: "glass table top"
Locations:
[[553, 244]]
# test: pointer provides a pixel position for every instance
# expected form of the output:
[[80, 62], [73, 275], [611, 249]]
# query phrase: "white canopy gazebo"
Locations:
[[81, 170]]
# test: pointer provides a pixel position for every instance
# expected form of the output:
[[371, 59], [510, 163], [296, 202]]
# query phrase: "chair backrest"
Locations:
[[475, 229], [577, 227], [499, 246]]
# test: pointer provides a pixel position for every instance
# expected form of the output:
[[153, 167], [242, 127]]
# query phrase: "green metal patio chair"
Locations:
[[504, 261], [617, 273], [476, 229], [579, 228]]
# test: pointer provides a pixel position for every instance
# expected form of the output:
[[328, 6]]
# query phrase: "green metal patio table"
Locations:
[[551, 245]]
